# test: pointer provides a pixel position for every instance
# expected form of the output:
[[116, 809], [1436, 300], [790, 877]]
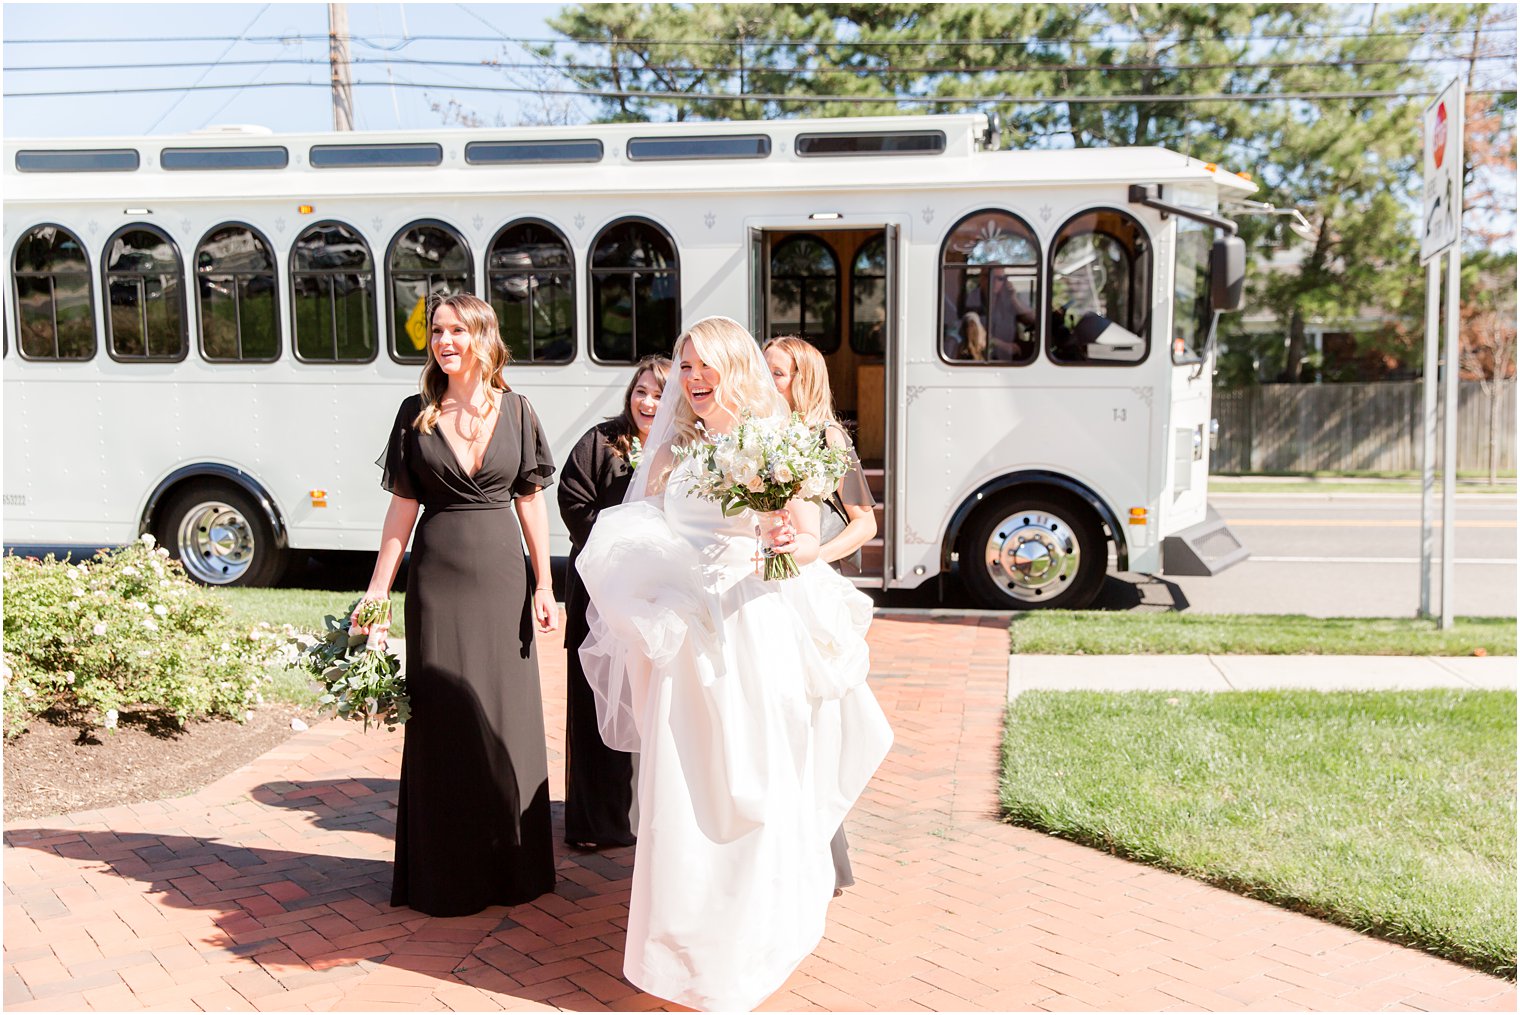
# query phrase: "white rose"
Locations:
[[150, 624], [73, 573], [161, 610], [99, 629], [814, 487], [68, 676], [78, 591], [162, 552], [781, 473], [111, 718], [756, 484], [147, 539], [129, 570]]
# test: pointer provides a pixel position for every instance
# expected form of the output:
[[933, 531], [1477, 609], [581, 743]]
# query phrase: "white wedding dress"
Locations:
[[748, 704]]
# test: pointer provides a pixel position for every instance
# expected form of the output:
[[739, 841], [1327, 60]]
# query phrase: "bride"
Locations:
[[745, 699]]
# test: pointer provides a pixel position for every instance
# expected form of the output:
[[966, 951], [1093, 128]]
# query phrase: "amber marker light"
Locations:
[[1210, 166], [318, 498], [1137, 516], [305, 209]]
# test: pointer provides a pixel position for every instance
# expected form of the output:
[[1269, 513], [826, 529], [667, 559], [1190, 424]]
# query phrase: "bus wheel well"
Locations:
[[1033, 546], [1034, 483], [212, 474]]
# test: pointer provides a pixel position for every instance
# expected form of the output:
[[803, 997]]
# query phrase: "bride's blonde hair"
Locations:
[[744, 385]]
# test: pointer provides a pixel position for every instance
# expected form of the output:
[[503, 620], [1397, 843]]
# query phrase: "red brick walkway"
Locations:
[[268, 890]]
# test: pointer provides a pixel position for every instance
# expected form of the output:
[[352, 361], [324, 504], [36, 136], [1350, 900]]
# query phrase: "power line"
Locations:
[[788, 43], [175, 104], [913, 100], [791, 71]]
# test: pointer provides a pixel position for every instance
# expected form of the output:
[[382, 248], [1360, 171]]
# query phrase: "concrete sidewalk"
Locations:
[[1256, 673], [269, 890]]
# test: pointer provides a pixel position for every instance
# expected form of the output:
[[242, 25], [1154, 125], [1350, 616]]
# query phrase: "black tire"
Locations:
[[221, 535], [1064, 553]]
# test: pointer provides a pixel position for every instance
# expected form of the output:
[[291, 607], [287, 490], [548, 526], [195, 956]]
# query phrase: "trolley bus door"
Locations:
[[759, 284], [895, 402]]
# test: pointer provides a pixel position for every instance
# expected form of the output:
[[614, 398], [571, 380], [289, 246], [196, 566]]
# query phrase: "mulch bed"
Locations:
[[53, 768]]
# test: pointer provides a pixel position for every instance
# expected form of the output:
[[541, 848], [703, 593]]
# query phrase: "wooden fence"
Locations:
[[1342, 427]]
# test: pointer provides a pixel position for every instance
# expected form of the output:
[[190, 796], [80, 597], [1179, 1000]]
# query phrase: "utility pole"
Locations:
[[337, 56]]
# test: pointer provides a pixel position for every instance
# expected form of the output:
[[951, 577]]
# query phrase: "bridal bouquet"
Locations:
[[360, 680], [760, 465]]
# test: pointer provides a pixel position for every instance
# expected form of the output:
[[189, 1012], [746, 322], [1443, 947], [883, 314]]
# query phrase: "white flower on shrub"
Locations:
[[73, 574], [150, 624], [144, 653], [78, 591], [247, 716], [161, 610], [111, 718], [68, 676], [99, 629], [138, 604], [130, 571], [147, 540]]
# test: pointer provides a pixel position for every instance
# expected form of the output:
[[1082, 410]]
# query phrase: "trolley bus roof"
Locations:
[[818, 155]]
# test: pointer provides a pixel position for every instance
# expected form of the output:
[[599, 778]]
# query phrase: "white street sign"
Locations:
[[1441, 223]]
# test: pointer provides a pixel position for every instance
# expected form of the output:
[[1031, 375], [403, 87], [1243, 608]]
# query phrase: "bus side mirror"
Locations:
[[1227, 272]]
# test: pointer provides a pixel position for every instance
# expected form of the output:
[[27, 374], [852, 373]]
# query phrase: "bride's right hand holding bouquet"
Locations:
[[760, 465]]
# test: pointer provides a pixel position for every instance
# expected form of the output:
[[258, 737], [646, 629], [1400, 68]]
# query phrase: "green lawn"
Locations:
[[303, 608], [1096, 632], [1389, 812], [1219, 484]]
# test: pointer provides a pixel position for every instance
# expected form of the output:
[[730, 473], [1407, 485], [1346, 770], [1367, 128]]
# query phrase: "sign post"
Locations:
[[1441, 233]]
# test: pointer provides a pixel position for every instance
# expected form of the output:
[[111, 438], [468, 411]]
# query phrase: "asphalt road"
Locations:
[[1327, 555]]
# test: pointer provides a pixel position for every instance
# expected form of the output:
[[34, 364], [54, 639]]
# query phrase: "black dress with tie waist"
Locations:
[[473, 826]]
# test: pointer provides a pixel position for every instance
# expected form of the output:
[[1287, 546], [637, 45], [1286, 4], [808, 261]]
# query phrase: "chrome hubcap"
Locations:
[[215, 543], [1032, 555]]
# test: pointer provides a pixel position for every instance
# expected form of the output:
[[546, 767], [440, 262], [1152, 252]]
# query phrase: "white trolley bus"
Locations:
[[206, 335]]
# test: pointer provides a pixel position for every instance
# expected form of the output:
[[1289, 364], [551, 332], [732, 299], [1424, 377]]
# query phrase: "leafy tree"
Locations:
[[1110, 75]]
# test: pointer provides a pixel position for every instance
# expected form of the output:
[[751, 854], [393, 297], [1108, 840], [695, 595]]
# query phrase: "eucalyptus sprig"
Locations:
[[360, 682]]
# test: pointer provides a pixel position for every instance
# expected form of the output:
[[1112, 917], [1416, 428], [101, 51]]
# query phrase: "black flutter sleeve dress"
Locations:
[[472, 829], [598, 780]]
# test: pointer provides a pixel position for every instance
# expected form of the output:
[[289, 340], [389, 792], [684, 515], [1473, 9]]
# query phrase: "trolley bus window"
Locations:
[[990, 286], [145, 296], [235, 295], [425, 258], [1192, 309], [1100, 280], [868, 298], [55, 309], [531, 278], [805, 291], [635, 292], [332, 281]]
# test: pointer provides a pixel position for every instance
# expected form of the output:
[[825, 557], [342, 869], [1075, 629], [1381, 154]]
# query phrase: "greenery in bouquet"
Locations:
[[127, 631], [360, 680], [762, 464]]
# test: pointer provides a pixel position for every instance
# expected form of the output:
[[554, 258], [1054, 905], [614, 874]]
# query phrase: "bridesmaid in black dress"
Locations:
[[472, 828], [598, 780]]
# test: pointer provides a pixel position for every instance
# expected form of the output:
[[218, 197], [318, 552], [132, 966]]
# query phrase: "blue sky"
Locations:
[[255, 44]]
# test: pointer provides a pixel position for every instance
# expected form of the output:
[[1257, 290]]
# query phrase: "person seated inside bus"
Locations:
[[999, 328]]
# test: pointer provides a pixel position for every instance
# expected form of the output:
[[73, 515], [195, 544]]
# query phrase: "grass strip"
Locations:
[[302, 608], [1389, 812], [1097, 632]]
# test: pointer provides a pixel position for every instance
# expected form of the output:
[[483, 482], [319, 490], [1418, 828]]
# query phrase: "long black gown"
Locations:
[[598, 780], [473, 824]]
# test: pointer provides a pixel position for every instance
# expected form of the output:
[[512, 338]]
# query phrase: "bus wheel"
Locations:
[[1034, 552], [221, 536]]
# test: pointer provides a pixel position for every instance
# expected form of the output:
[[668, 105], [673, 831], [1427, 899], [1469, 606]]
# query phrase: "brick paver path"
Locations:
[[269, 890]]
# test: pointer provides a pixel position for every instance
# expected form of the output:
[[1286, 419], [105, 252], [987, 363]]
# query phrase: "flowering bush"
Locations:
[[127, 629]]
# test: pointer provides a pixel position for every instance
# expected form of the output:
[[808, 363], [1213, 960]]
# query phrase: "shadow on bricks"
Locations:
[[299, 919]]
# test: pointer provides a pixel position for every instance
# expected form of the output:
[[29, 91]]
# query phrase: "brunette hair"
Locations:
[[809, 394], [743, 381], [485, 341], [626, 428]]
